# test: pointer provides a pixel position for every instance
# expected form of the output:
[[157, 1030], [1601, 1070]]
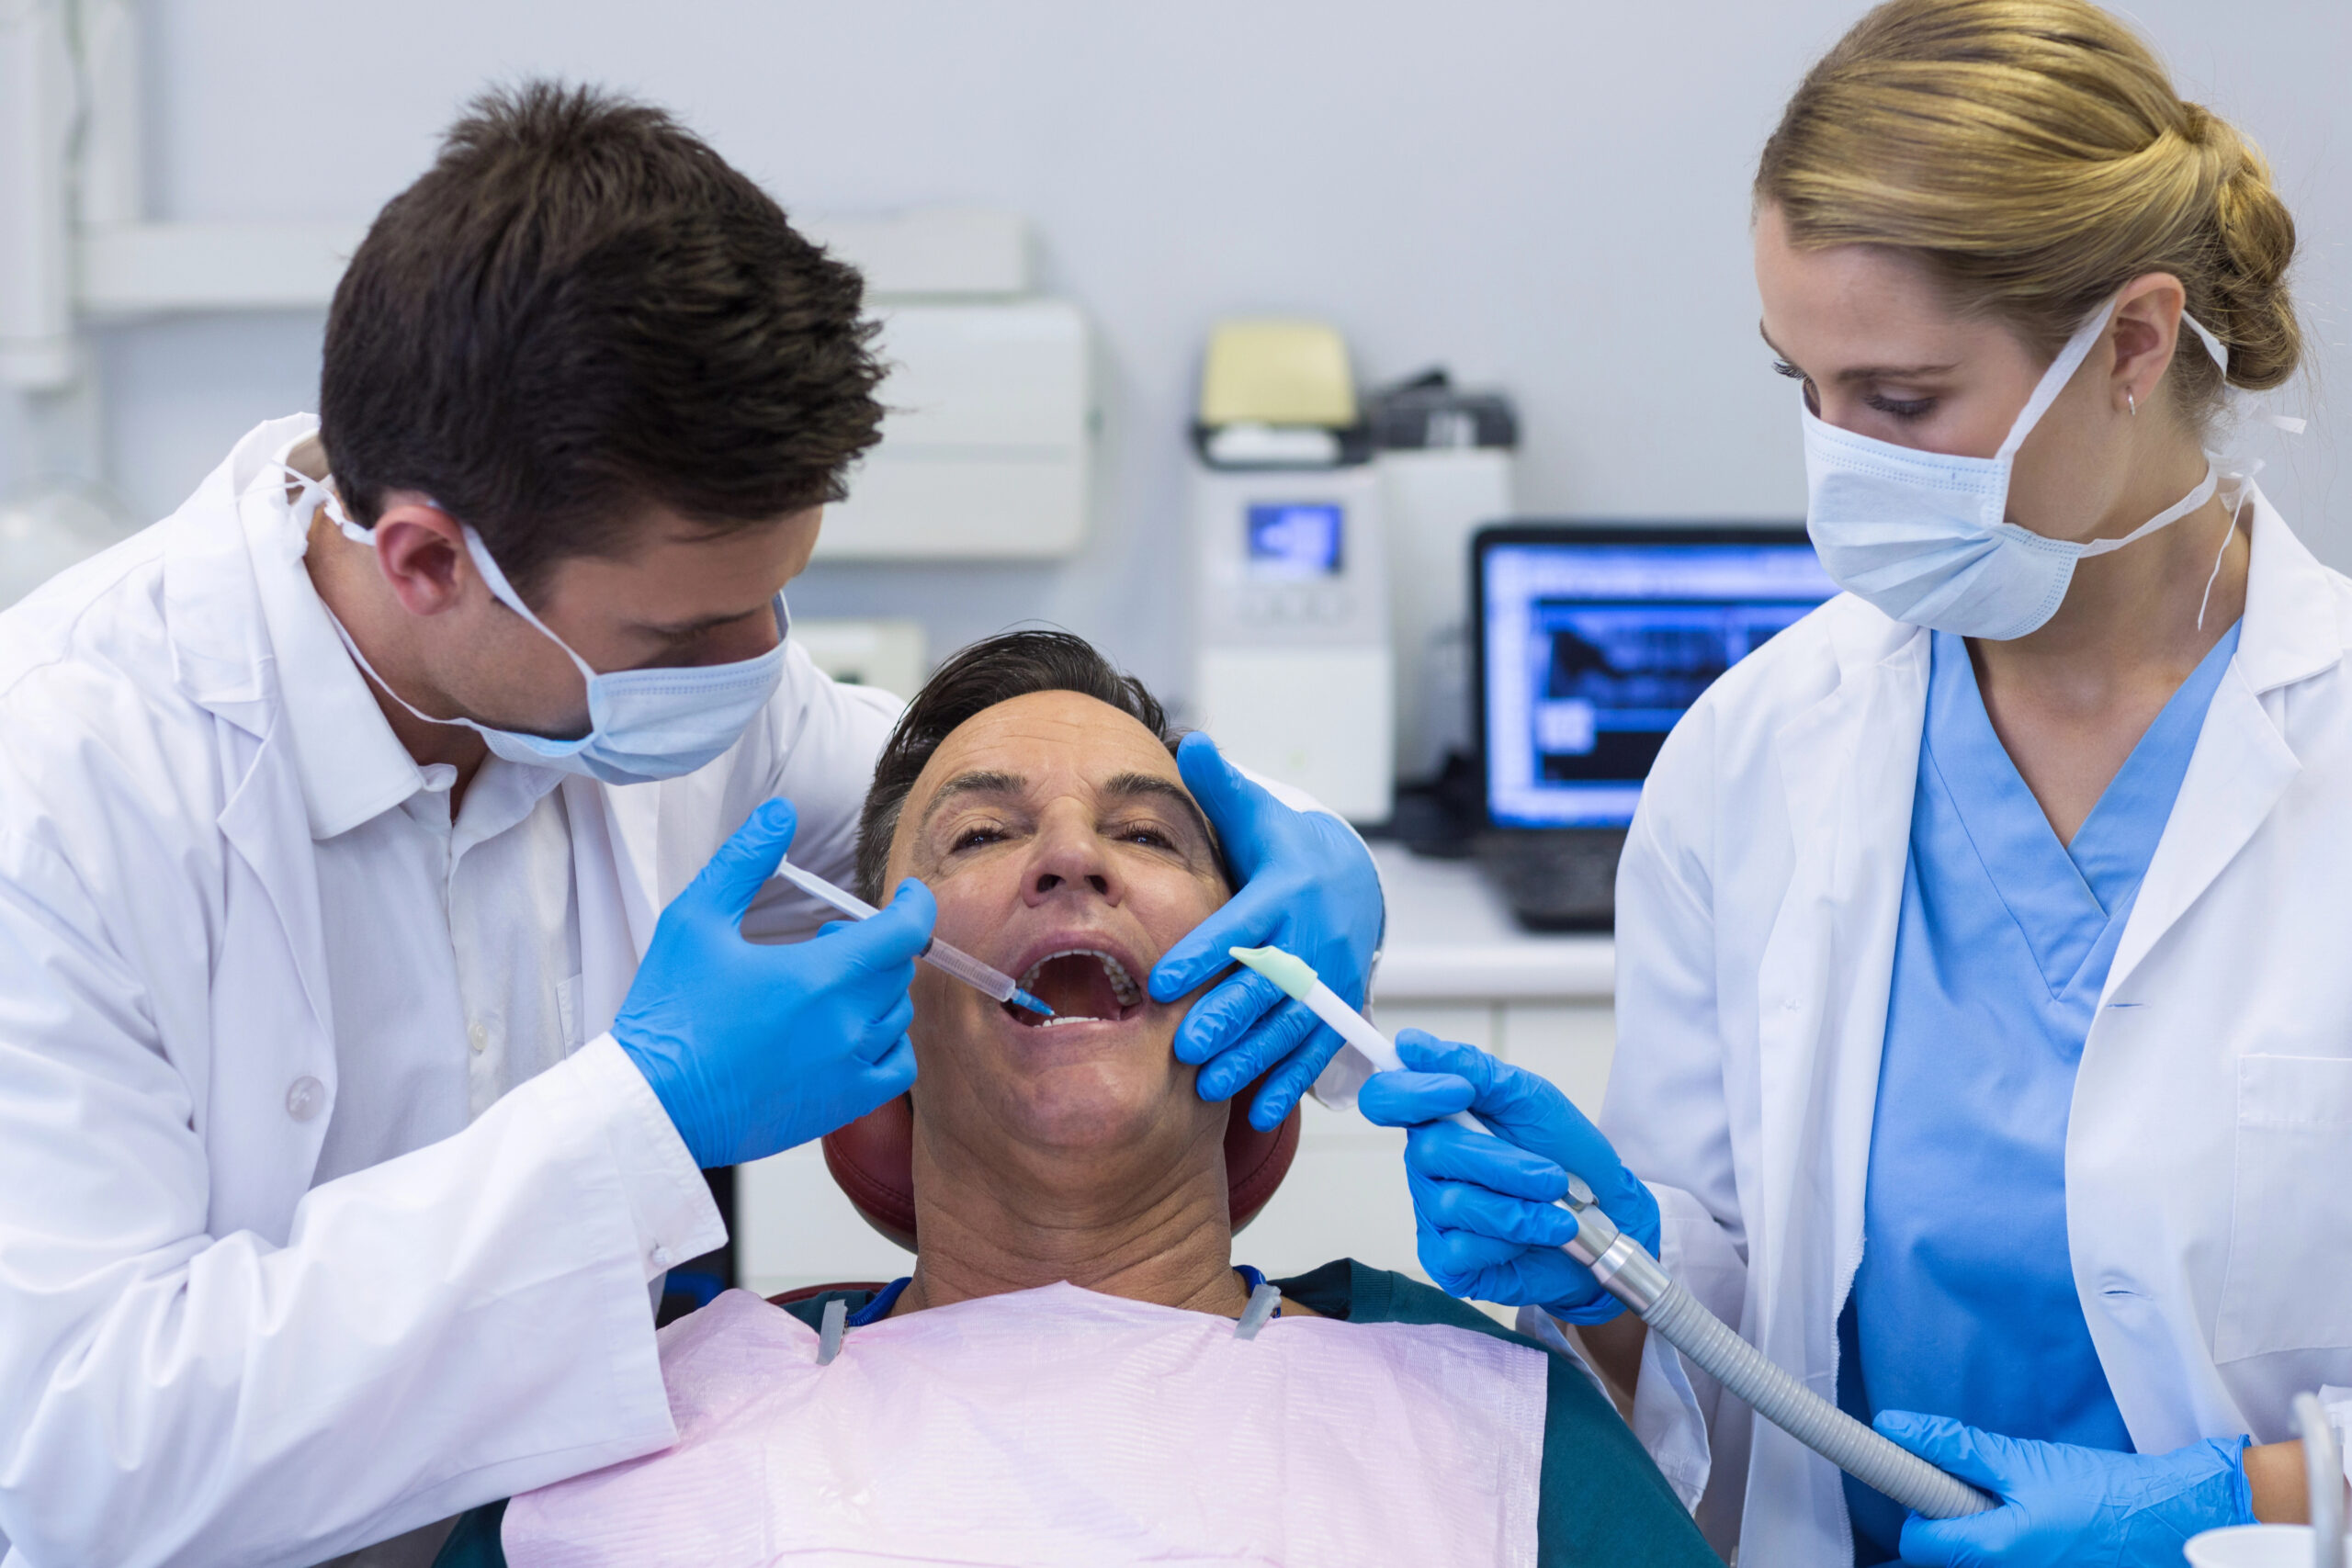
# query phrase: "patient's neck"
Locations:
[[1121, 1222]]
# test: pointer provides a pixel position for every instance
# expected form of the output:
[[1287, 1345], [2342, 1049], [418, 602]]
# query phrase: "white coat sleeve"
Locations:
[[1665, 1111], [465, 1322]]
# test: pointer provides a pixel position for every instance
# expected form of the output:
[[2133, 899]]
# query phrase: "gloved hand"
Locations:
[[754, 1048], [2061, 1504], [1486, 1207], [1307, 886]]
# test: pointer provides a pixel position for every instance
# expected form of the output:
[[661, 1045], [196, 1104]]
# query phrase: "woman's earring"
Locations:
[[2132, 404]]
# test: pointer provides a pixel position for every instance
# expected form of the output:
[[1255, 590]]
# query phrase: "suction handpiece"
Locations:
[[1627, 1271]]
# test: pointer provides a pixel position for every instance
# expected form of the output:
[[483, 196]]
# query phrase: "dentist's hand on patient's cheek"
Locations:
[[754, 1048], [1485, 1206], [1307, 886]]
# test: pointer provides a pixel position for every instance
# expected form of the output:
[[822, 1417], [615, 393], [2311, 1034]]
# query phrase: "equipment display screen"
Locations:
[[1296, 540], [1594, 650]]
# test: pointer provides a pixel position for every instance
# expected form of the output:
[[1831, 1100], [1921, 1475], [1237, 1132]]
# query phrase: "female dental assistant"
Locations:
[[1984, 1012]]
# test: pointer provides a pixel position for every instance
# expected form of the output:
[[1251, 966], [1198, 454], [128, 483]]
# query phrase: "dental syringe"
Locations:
[[1626, 1270], [948, 960]]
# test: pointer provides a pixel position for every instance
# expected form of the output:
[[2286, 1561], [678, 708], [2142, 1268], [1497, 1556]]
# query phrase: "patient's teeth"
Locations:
[[1123, 985]]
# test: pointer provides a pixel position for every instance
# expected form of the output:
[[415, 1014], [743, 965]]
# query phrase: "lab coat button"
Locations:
[[479, 1037], [305, 1098]]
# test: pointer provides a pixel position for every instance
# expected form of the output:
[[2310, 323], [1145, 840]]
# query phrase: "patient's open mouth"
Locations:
[[1082, 985]]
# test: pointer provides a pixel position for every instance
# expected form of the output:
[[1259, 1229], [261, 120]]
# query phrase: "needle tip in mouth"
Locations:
[[1023, 999]]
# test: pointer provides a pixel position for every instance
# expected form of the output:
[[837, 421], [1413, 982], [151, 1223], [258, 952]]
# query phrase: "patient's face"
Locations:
[[1063, 848]]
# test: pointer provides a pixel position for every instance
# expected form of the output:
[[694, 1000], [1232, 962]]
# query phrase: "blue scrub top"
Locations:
[[1964, 1305]]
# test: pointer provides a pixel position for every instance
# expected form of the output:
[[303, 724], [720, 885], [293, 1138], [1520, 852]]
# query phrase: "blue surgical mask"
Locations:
[[643, 725], [1925, 537]]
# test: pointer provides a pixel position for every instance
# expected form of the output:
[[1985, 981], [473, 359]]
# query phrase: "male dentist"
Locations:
[[354, 1075]]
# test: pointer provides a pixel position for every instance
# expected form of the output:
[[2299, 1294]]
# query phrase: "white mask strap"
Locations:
[[492, 576], [2213, 344], [351, 646], [2053, 380], [2289, 423], [2173, 513], [495, 577], [2070, 360]]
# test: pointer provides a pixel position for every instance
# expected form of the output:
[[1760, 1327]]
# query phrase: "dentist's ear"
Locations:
[[2146, 330], [420, 552]]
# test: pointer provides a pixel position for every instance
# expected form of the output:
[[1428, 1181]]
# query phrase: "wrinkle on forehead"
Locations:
[[1022, 738]]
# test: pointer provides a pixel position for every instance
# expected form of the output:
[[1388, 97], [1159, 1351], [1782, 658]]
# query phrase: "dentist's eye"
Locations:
[[1783, 368], [1901, 408]]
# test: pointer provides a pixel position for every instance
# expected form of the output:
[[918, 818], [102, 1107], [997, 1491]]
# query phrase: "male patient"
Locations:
[[1060, 1380]]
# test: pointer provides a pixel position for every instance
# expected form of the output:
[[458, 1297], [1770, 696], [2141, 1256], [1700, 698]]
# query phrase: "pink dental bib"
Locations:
[[1059, 1427]]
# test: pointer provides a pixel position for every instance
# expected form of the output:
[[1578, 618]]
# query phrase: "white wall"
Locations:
[[1548, 195]]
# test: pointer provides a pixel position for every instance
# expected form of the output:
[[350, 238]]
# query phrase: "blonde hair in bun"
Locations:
[[2035, 154]]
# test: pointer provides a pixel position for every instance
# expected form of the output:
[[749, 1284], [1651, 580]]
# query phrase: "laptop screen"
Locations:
[[1594, 641]]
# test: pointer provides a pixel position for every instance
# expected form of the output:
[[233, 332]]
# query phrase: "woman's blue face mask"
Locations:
[[1925, 535]]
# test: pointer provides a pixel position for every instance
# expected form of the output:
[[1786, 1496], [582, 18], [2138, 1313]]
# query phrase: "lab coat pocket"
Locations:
[[2287, 1286]]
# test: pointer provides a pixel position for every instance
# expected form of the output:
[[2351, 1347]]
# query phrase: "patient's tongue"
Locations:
[[1077, 986]]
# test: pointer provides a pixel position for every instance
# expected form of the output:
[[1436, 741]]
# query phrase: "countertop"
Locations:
[[1451, 937]]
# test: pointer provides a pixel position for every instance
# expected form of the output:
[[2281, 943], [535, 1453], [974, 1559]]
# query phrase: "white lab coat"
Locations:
[[2208, 1154], [204, 1359]]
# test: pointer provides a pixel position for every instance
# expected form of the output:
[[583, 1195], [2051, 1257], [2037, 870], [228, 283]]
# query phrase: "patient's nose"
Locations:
[[1070, 859]]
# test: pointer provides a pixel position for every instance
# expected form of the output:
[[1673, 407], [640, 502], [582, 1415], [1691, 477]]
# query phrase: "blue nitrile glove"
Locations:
[[754, 1048], [1307, 886], [2062, 1504], [1486, 1207]]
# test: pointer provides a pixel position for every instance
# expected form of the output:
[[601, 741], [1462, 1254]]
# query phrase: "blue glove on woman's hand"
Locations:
[[1307, 886], [754, 1048], [1486, 1208], [2061, 1504]]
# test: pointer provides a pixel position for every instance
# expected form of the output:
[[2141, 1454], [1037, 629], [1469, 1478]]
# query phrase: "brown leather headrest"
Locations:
[[873, 1161]]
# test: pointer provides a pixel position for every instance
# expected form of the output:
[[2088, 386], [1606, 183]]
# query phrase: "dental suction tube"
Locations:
[[1627, 1271]]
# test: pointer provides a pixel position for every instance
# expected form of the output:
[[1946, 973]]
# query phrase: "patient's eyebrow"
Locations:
[[1131, 785], [977, 781]]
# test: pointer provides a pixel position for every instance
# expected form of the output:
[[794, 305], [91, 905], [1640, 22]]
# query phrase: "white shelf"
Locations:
[[1451, 936]]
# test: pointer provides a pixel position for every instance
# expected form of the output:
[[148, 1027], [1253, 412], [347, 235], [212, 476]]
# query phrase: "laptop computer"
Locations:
[[1590, 640]]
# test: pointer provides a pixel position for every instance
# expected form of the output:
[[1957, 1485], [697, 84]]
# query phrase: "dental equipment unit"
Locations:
[[948, 960], [1627, 1271]]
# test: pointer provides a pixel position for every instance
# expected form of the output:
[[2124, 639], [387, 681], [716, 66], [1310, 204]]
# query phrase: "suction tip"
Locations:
[[1285, 969]]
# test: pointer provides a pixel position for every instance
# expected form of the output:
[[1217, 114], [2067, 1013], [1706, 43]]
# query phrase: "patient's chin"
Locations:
[[1098, 1105]]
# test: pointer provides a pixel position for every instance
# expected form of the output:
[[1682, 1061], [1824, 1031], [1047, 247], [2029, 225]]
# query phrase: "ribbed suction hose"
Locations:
[[1627, 1271], [1625, 1268]]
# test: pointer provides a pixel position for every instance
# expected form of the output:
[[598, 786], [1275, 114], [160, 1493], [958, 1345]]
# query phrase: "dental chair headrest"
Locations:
[[872, 1160]]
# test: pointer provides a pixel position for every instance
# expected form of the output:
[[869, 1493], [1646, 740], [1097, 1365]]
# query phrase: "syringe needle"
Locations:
[[949, 960]]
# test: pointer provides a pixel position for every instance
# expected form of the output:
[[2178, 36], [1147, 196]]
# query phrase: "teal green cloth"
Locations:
[[1603, 1501]]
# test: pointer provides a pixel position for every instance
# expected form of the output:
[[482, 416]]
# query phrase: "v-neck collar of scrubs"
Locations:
[[2062, 896]]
